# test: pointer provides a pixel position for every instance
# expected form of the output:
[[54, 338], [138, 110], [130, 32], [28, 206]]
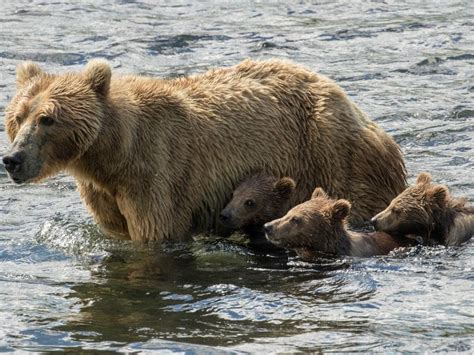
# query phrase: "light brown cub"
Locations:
[[318, 227], [426, 209]]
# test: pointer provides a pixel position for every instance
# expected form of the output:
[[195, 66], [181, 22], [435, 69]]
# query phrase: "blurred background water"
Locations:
[[409, 65]]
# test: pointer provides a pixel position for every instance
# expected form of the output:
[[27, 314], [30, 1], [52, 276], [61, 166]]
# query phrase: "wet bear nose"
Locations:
[[13, 161], [373, 221], [224, 216]]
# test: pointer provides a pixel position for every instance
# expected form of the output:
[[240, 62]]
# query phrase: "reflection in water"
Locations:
[[62, 285], [203, 298]]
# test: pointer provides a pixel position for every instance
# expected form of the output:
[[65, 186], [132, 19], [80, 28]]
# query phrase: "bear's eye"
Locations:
[[396, 210], [46, 121], [249, 203], [295, 220]]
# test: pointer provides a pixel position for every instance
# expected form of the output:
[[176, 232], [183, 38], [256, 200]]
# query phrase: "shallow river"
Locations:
[[409, 66]]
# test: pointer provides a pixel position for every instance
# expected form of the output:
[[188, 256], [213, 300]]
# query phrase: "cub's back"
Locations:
[[376, 243]]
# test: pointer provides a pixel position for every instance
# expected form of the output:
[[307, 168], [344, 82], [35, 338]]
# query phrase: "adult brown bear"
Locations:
[[155, 159]]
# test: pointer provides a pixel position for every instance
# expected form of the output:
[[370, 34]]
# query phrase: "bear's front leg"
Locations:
[[105, 211], [149, 219]]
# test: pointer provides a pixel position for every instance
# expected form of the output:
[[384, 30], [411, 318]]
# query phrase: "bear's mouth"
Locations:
[[17, 176], [18, 179], [271, 238], [26, 173]]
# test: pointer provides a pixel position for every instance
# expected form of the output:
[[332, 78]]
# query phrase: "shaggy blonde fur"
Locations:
[[155, 159]]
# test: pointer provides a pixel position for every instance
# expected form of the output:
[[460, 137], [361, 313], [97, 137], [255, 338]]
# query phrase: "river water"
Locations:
[[408, 65]]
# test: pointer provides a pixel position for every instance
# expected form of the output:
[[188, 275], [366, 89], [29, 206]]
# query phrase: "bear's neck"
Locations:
[[462, 227], [333, 243], [452, 224], [131, 115], [106, 162], [343, 241], [338, 243]]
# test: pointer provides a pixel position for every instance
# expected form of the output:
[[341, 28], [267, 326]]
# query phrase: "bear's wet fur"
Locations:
[[317, 228], [426, 209], [259, 199], [156, 159]]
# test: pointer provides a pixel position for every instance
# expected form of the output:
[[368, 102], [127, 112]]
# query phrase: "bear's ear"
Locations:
[[423, 179], [25, 71], [98, 74], [284, 187], [438, 193], [340, 210], [318, 192]]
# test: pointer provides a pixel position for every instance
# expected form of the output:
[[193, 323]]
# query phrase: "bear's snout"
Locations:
[[13, 162], [268, 229], [374, 221], [225, 216]]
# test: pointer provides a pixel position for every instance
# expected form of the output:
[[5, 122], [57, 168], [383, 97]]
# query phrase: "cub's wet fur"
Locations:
[[428, 210], [318, 227], [258, 199]]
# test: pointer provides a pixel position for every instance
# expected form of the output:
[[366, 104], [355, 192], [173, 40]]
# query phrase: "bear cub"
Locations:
[[258, 199], [317, 227], [427, 210]]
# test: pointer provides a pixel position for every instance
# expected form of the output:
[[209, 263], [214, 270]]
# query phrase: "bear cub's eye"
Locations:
[[46, 121], [295, 220], [250, 203], [396, 210]]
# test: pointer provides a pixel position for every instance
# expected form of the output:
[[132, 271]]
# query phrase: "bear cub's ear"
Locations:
[[438, 193], [25, 71], [423, 179], [284, 187], [319, 192], [340, 210], [98, 74]]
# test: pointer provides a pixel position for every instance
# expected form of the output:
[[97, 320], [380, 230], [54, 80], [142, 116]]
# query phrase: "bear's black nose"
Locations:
[[373, 221], [12, 162], [224, 216]]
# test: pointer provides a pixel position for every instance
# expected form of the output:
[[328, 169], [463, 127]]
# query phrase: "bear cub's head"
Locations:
[[257, 200], [313, 225], [414, 210], [53, 119]]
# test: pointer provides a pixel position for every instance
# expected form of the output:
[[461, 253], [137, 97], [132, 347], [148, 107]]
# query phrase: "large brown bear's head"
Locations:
[[412, 212], [313, 225], [53, 119], [257, 200]]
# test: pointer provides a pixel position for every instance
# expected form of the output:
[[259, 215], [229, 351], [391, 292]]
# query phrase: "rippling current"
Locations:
[[64, 286]]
